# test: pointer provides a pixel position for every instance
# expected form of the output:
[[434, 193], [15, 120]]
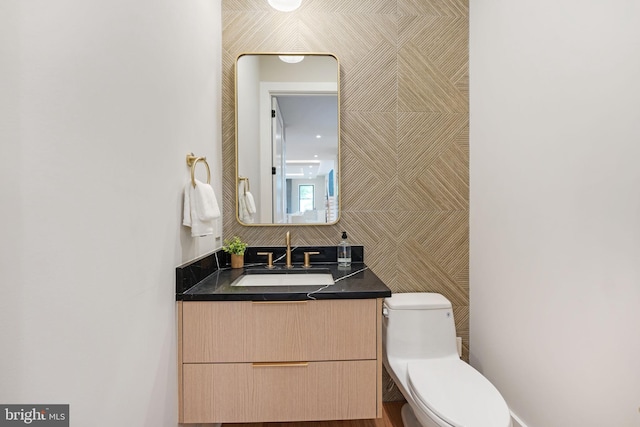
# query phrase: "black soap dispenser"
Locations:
[[344, 251]]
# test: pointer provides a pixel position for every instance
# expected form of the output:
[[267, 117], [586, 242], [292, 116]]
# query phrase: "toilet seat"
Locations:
[[457, 393]]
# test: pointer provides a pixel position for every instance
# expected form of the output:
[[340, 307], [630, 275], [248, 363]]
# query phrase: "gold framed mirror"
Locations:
[[287, 138]]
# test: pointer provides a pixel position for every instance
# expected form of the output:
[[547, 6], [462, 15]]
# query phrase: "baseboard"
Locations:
[[517, 422]]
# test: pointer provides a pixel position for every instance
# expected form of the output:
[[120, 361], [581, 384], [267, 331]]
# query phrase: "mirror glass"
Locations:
[[287, 139]]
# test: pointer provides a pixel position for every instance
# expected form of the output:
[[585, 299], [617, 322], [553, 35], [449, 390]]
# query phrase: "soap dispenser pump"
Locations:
[[344, 251]]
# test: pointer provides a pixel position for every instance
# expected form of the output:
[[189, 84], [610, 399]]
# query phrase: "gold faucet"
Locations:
[[288, 241]]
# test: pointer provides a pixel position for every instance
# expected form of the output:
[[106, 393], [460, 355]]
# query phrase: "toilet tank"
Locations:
[[419, 326]]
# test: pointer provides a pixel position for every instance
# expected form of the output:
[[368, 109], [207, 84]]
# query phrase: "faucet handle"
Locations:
[[269, 258], [307, 264]]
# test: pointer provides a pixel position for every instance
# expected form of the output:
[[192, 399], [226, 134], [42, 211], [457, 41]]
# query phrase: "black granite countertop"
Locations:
[[208, 279]]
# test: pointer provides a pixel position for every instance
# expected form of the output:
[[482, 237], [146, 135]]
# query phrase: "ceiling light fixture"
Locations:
[[297, 162], [291, 59], [285, 5]]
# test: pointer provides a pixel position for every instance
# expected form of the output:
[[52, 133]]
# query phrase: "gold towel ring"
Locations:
[[245, 187], [192, 161]]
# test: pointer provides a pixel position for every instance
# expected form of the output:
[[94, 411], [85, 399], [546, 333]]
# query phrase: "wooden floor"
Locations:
[[390, 418]]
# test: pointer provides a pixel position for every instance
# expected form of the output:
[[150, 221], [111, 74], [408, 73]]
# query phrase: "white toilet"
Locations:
[[420, 354]]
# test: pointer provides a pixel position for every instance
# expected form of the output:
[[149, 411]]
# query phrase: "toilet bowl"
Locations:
[[420, 355]]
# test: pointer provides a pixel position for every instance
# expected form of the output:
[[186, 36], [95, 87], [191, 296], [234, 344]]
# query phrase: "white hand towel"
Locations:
[[206, 205], [200, 209], [251, 204], [243, 210], [243, 213]]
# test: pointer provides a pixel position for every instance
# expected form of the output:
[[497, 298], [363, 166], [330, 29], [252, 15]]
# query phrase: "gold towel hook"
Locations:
[[191, 162]]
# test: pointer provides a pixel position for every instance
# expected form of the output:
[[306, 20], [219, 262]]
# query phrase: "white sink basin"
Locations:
[[285, 279]]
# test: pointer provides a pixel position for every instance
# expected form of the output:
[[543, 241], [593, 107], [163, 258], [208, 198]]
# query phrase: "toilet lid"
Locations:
[[457, 393]]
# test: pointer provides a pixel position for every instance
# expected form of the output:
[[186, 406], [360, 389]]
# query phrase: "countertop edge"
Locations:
[[355, 282]]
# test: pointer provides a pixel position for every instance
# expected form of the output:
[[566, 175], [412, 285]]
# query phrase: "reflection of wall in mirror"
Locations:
[[311, 69], [248, 95]]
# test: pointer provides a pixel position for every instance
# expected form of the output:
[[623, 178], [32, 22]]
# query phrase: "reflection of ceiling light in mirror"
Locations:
[[318, 136], [285, 5], [291, 59]]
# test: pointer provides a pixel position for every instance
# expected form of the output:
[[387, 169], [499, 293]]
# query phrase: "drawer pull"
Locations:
[[279, 364], [280, 302]]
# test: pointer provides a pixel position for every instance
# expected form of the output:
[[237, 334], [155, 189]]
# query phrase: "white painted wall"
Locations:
[[101, 101], [555, 208]]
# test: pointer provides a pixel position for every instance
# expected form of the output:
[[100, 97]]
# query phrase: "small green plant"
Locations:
[[234, 246]]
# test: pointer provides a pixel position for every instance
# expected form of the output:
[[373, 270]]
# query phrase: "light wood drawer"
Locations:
[[246, 331], [244, 392]]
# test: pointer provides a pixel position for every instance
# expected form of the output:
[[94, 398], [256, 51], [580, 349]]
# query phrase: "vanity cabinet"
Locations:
[[276, 361]]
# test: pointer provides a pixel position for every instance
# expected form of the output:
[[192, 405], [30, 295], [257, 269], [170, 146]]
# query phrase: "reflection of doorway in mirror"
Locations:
[[310, 146], [308, 114]]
